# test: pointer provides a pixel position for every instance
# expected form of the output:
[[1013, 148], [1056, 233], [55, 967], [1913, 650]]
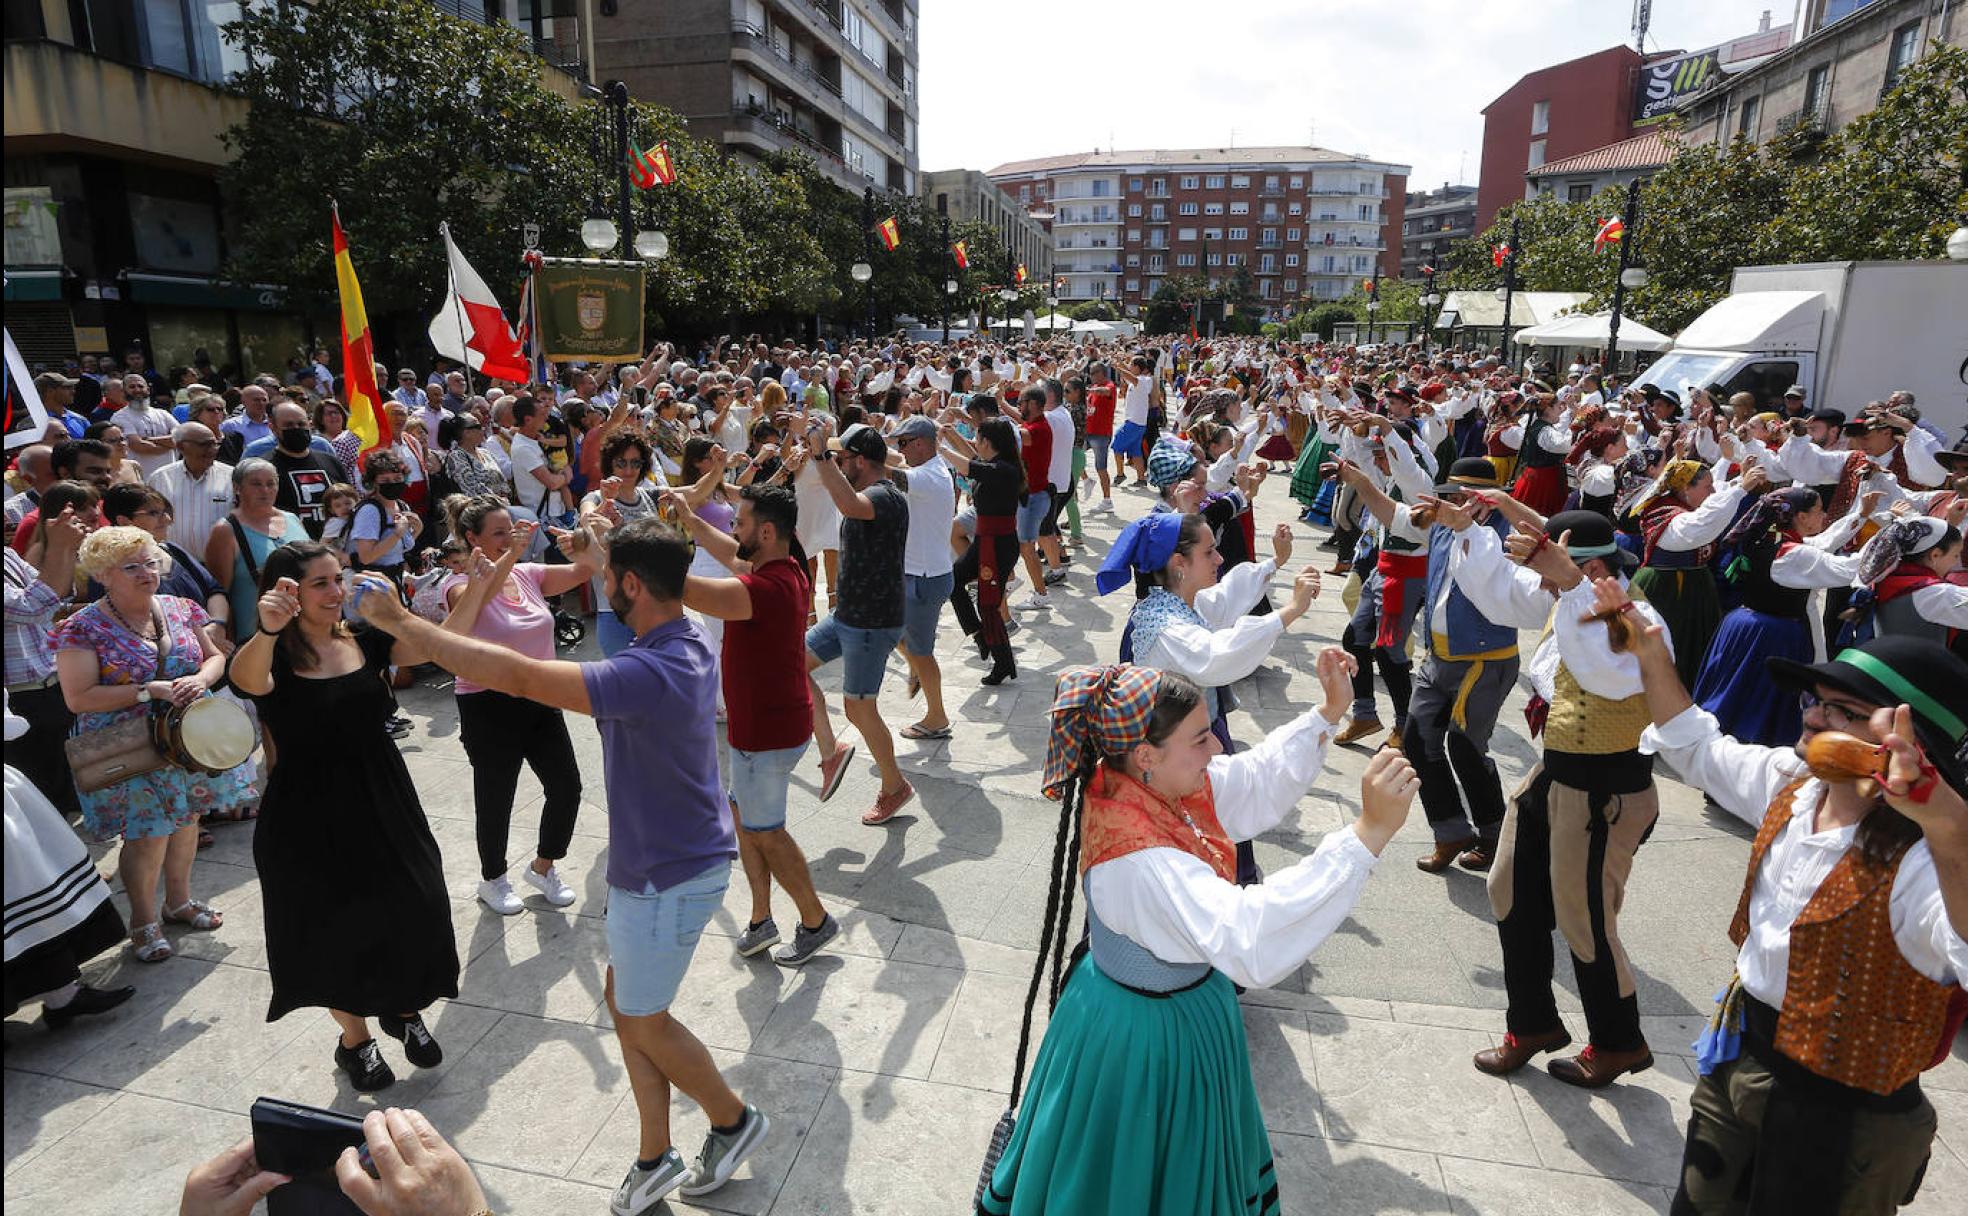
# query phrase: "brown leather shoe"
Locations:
[[1478, 858], [1596, 1069], [1443, 856], [1358, 728], [1517, 1052], [1393, 741], [1341, 567]]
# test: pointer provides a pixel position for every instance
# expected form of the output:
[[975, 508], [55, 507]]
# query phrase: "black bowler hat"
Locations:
[[1919, 673], [1470, 473], [1591, 536]]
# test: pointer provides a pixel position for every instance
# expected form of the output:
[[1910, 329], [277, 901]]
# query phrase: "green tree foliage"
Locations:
[[1888, 186]]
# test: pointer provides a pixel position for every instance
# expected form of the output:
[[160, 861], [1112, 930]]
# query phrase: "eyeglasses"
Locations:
[[199, 443], [628, 463], [150, 565], [1836, 716]]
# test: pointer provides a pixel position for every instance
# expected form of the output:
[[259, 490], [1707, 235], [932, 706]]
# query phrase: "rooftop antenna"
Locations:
[[1643, 11], [1233, 137], [1462, 164]]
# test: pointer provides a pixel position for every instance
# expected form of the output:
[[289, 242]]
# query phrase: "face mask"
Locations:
[[294, 438], [392, 489]]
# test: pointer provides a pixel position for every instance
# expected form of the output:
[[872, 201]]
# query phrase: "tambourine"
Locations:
[[211, 735]]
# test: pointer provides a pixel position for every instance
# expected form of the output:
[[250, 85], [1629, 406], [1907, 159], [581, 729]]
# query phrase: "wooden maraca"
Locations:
[[1838, 757]]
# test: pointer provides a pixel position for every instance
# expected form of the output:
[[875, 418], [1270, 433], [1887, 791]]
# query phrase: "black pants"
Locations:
[[500, 733], [987, 628], [38, 754], [1563, 864], [1393, 666]]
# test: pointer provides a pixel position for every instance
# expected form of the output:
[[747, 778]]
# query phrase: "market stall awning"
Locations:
[[1589, 330]]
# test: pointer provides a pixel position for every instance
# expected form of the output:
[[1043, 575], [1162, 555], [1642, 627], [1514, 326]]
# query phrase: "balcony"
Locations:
[[745, 36], [1105, 219], [1810, 120], [776, 130], [1271, 192]]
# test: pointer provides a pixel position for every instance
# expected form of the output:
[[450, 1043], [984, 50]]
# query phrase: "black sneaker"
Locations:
[[365, 1066], [418, 1045], [86, 1002]]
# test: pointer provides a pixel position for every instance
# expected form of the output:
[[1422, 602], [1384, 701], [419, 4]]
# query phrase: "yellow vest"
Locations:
[[1583, 724]]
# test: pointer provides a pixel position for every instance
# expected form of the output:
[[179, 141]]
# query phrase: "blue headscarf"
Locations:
[[1144, 545]]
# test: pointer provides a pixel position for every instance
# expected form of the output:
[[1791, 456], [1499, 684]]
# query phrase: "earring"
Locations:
[[1147, 776]]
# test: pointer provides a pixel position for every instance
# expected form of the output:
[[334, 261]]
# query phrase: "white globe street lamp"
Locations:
[[1957, 245], [1633, 277], [949, 287], [652, 244], [598, 234], [861, 272]]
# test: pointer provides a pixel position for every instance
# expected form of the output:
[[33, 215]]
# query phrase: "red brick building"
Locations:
[[1309, 223], [1553, 113]]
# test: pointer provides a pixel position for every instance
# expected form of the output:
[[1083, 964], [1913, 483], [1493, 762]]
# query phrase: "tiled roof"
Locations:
[[1649, 151], [1176, 157]]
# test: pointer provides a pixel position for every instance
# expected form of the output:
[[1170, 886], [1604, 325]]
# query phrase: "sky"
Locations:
[[1403, 82]]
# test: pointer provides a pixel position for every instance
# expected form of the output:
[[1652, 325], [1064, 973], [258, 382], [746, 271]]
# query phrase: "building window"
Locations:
[[1185, 234], [1212, 208], [1291, 259], [1294, 235], [1578, 192], [1158, 212], [1816, 88], [1134, 185], [1159, 187], [1134, 211], [1297, 182], [1239, 208], [1156, 261], [1102, 187], [1294, 209], [1189, 181], [1241, 181], [1154, 285], [1024, 194], [1366, 213], [1540, 117], [1212, 234], [1133, 286], [1536, 159], [1291, 287], [1185, 208], [1752, 108], [1900, 54], [1216, 259], [1134, 234], [1133, 261], [1185, 259], [1213, 182], [1240, 234], [1267, 263]]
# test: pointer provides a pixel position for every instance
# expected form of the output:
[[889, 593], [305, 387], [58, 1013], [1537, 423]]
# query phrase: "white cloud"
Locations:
[[1402, 82]]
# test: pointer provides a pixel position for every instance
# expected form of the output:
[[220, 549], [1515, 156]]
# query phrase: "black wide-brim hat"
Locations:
[[1593, 532], [1470, 473], [1919, 673]]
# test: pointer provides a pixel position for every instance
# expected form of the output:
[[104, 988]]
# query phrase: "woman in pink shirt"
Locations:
[[500, 731]]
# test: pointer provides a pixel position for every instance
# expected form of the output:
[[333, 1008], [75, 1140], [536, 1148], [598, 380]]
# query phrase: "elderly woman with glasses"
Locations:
[[626, 494], [115, 658], [470, 466], [240, 542]]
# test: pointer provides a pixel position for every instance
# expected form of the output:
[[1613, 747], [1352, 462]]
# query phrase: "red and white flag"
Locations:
[[471, 328]]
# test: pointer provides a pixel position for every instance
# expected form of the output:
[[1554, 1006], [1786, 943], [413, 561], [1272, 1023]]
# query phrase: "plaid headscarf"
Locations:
[[1105, 708], [1169, 462], [1678, 476]]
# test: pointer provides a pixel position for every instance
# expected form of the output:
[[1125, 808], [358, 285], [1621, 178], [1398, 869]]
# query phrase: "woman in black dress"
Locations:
[[357, 920], [997, 491]]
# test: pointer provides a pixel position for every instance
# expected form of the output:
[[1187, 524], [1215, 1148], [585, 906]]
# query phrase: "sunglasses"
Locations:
[[150, 565]]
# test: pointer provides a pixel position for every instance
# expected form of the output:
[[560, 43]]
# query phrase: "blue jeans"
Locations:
[[652, 935], [863, 653], [923, 597], [1031, 516]]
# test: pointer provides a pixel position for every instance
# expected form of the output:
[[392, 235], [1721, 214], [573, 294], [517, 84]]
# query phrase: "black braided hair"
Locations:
[[1052, 932]]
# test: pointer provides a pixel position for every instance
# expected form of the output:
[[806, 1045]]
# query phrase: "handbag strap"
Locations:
[[245, 549]]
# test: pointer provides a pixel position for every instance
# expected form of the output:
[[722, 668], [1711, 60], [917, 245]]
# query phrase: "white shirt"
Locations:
[[932, 509], [1060, 470], [527, 455], [197, 503], [1173, 904], [1743, 779], [148, 422], [1134, 406], [1703, 525], [1230, 643]]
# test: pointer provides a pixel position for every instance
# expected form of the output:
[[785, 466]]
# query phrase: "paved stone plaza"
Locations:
[[884, 1062]]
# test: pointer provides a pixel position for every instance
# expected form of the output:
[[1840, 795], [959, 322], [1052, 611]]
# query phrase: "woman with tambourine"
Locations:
[[116, 658]]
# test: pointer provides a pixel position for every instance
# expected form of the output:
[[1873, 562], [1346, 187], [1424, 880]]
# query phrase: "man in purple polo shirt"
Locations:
[[670, 840]]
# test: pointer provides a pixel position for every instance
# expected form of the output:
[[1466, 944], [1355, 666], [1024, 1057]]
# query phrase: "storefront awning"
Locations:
[[195, 291], [25, 286]]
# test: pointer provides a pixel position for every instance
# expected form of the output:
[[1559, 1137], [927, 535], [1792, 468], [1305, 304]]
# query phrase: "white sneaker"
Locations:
[[497, 894], [1035, 603], [1106, 506], [558, 893]]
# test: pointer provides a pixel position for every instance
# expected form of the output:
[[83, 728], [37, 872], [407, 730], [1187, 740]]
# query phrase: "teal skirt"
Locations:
[[1139, 1105]]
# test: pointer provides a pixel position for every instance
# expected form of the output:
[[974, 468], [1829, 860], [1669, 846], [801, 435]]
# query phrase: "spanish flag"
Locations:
[[652, 168], [891, 233], [1610, 233], [1498, 253], [359, 394], [1021, 276], [962, 250]]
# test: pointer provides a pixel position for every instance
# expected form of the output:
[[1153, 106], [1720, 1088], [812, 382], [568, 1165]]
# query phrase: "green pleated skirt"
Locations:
[[1139, 1106], [1305, 476], [1689, 607]]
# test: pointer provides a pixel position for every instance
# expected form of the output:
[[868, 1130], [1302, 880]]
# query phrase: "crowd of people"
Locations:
[[1766, 594]]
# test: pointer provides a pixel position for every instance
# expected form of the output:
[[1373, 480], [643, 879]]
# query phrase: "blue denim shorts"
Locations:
[[1127, 440], [923, 597], [863, 653], [759, 781], [1099, 446], [1032, 515], [653, 934]]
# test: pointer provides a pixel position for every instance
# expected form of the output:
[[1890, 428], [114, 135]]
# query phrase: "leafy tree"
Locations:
[[1094, 310]]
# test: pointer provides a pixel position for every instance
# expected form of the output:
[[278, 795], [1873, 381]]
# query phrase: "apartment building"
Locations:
[[1308, 223], [1435, 220], [114, 118], [969, 195], [835, 79]]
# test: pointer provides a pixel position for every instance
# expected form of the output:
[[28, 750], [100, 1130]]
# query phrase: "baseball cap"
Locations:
[[862, 440], [915, 427], [47, 380]]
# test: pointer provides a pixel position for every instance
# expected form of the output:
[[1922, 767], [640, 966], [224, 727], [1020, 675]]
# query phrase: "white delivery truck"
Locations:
[[1849, 332]]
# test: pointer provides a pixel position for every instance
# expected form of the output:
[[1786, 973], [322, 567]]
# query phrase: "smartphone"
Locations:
[[303, 1143]]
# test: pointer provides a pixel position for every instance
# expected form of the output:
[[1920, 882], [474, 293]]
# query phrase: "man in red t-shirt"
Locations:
[[1035, 449], [1101, 398], [768, 709]]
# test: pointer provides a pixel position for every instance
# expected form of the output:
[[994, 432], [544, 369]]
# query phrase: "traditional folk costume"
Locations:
[[1809, 1100], [1141, 1099], [1542, 447], [59, 914], [1471, 665], [1674, 575], [1900, 597], [1777, 570], [1391, 595], [1578, 818]]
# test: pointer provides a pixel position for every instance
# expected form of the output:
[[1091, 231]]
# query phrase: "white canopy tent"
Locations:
[[1590, 331], [1098, 329]]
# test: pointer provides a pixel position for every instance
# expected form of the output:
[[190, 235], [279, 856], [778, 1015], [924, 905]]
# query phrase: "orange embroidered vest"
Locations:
[[1855, 1011], [1123, 816]]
